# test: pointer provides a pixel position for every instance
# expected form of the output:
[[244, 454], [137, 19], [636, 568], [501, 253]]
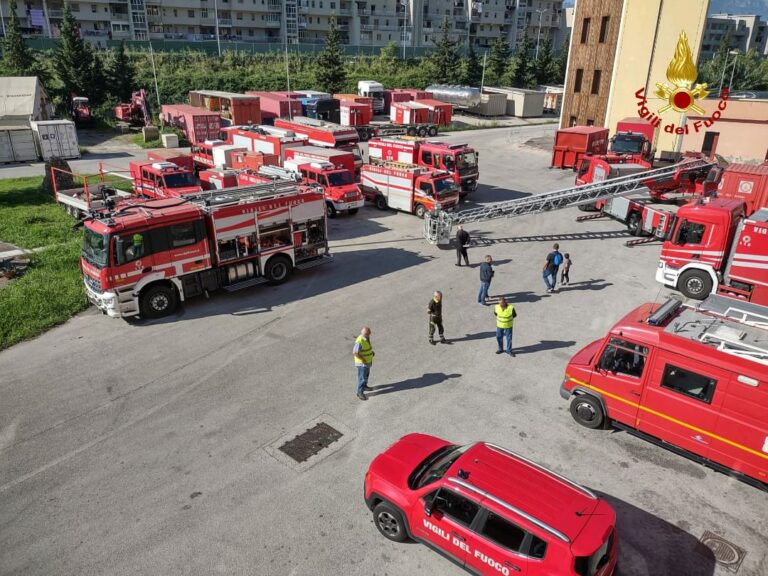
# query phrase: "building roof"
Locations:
[[23, 97]]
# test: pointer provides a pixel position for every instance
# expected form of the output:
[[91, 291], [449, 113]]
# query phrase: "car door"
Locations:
[[618, 377], [497, 546], [444, 520]]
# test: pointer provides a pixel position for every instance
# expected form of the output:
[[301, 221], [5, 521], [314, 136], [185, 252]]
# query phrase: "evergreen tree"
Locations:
[[472, 68], [545, 66], [524, 75], [78, 71], [497, 61], [445, 58], [331, 74], [17, 57], [561, 63], [121, 76]]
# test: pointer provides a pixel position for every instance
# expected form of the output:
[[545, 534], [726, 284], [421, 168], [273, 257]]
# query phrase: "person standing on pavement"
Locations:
[[363, 353], [505, 318], [565, 277], [462, 241], [486, 275], [435, 311], [551, 265]]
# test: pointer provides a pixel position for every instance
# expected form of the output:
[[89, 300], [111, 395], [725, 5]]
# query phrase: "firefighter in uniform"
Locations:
[[435, 311], [505, 317], [363, 353]]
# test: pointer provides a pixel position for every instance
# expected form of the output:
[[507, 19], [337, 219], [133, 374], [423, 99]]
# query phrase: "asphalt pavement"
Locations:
[[148, 447]]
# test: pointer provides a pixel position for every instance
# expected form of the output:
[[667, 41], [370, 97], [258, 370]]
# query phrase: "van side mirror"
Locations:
[[119, 249]]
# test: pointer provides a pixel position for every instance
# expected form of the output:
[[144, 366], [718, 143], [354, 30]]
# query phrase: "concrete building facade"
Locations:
[[748, 32], [413, 23]]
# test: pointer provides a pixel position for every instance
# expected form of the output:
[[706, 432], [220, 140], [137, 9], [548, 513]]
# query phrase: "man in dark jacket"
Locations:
[[486, 275], [551, 264], [462, 241], [435, 311]]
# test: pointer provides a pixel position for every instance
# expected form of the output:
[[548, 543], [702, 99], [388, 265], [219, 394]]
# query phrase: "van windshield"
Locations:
[[179, 180], [444, 186], [340, 178], [435, 465], [466, 160], [627, 144]]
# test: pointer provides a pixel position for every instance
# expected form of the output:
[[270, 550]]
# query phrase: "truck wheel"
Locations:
[[422, 131], [353, 211], [278, 269], [389, 521], [330, 210], [419, 210], [364, 135], [412, 131], [158, 301], [381, 202], [695, 284], [432, 131], [635, 224], [587, 411]]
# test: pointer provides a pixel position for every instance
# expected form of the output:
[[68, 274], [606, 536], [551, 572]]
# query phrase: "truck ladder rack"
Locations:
[[243, 193], [736, 348], [743, 312], [437, 226]]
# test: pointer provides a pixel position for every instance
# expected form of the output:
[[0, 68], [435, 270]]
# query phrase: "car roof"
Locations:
[[516, 484]]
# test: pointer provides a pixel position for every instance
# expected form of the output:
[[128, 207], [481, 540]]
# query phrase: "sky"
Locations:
[[731, 6]]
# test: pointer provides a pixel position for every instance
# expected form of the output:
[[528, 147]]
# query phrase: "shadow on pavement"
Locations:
[[518, 297], [478, 240], [429, 379], [543, 345], [104, 155], [643, 536], [584, 285], [469, 337]]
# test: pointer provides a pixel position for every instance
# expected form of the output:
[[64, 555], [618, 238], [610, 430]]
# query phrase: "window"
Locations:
[[596, 82], [203, 13], [688, 383], [191, 13], [426, 157], [455, 506], [175, 12], [426, 188], [538, 547], [182, 234], [94, 8], [503, 533], [604, 28], [585, 30], [690, 233], [130, 247], [590, 122], [577, 81], [333, 5], [572, 121], [75, 7], [623, 357]]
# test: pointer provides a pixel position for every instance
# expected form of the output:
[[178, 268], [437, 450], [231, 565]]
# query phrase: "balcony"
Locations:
[[275, 7], [98, 33], [225, 22], [55, 13], [303, 9], [272, 24]]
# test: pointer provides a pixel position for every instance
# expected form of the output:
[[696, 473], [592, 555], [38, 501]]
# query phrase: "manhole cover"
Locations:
[[305, 445], [726, 553]]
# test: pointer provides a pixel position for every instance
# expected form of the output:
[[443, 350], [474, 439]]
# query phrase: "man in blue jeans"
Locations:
[[363, 353], [551, 265], [486, 275], [505, 318]]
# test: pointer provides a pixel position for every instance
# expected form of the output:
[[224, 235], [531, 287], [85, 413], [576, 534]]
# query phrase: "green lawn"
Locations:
[[51, 291]]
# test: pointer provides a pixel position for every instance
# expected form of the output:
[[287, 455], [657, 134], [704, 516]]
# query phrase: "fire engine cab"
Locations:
[[490, 510], [162, 179], [691, 379], [338, 184]]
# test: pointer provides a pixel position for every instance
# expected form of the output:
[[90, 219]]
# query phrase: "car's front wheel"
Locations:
[[389, 521]]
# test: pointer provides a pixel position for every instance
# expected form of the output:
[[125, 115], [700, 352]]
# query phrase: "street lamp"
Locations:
[[725, 67], [538, 36], [735, 61]]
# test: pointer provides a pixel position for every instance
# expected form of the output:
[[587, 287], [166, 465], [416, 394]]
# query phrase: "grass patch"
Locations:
[[49, 293], [51, 290]]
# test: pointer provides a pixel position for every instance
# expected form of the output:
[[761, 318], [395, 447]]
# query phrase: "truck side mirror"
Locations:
[[119, 250], [428, 508]]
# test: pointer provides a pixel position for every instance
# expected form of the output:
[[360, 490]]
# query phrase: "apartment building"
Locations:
[[413, 23], [748, 32]]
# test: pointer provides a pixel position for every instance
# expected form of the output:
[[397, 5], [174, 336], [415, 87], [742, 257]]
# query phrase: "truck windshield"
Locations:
[[341, 178], [435, 465], [466, 161], [95, 248], [179, 180], [444, 186], [627, 144], [356, 154]]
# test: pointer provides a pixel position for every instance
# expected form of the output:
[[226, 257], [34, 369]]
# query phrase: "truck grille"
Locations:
[[94, 285]]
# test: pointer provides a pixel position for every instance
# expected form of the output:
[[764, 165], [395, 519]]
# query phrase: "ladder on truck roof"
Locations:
[[241, 194], [437, 225]]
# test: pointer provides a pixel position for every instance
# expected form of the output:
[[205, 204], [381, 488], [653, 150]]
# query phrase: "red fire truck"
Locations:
[[162, 179], [338, 184], [265, 139], [148, 256], [338, 158], [410, 188], [325, 134], [202, 154], [459, 160], [633, 141], [691, 379]]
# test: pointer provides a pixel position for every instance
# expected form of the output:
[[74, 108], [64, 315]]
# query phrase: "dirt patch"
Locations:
[[540, 143]]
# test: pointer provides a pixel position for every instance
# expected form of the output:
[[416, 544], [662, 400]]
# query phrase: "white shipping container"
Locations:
[[222, 155], [17, 144], [56, 138]]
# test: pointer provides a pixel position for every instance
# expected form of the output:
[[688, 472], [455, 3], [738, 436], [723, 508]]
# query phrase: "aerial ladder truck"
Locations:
[[438, 225]]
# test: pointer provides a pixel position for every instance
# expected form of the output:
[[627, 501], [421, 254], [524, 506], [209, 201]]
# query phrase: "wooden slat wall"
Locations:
[[588, 57]]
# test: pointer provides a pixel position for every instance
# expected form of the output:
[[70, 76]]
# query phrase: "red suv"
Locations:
[[490, 510]]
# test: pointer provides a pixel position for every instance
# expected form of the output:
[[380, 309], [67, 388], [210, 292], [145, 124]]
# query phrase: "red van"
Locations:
[[691, 379], [489, 510]]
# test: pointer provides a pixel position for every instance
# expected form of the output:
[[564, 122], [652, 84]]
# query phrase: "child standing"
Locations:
[[564, 279]]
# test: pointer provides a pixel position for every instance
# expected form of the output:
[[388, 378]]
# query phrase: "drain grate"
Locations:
[[315, 439], [726, 553]]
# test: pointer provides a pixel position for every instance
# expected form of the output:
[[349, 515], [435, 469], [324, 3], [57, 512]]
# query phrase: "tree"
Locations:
[[523, 75], [497, 61], [561, 63], [17, 57], [471, 68], [77, 69], [545, 67], [388, 53], [445, 58], [331, 74], [121, 75]]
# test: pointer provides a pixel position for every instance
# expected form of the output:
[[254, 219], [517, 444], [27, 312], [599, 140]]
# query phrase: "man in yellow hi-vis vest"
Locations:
[[505, 318], [363, 353]]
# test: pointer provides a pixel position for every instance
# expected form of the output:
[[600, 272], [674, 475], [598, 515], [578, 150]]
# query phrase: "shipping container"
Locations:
[[439, 112], [492, 105], [245, 159], [276, 105], [198, 124], [265, 139], [573, 143], [17, 144], [328, 109], [355, 114], [355, 98], [56, 138], [314, 94], [177, 157], [237, 109], [413, 93], [393, 96], [745, 182], [222, 155], [404, 113]]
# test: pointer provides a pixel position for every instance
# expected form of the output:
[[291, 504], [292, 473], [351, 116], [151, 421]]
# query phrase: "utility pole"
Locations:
[[482, 78], [538, 36], [154, 73], [2, 18], [216, 18], [725, 67], [405, 25]]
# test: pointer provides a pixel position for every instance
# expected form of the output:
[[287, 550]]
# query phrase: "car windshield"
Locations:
[[444, 186], [627, 145], [179, 180], [340, 178], [95, 248], [466, 160], [435, 465]]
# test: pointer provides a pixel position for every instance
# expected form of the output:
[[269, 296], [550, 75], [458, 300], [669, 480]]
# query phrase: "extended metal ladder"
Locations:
[[437, 226], [242, 194]]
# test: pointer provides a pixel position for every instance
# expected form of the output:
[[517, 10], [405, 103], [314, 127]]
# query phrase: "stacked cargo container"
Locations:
[[238, 109], [198, 124], [277, 105]]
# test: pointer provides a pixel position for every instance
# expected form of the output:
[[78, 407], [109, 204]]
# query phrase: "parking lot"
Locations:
[[151, 447]]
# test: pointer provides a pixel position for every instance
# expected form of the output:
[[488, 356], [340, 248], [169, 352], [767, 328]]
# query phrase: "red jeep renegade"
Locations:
[[490, 510]]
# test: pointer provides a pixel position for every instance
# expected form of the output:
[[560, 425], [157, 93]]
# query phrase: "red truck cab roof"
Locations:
[[141, 214]]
